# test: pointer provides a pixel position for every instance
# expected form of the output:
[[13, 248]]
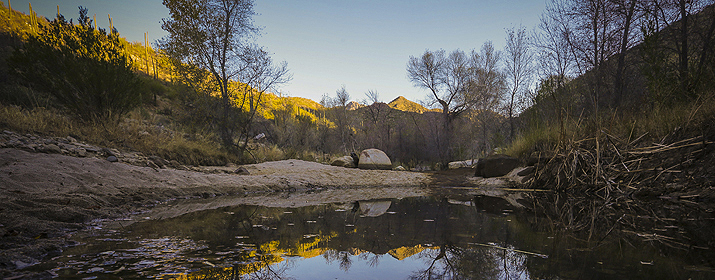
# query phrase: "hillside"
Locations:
[[352, 105], [403, 104]]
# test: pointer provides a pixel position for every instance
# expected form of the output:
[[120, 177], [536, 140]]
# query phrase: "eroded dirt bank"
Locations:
[[43, 195], [46, 196]]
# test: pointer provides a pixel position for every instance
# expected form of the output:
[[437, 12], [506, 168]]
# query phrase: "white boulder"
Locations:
[[374, 159]]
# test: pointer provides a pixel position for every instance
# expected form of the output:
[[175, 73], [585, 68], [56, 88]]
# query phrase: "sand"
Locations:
[[46, 197]]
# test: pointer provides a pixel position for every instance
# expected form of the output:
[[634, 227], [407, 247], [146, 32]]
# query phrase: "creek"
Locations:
[[439, 236]]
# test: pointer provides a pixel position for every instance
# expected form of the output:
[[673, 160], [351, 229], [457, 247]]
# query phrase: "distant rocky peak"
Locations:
[[352, 105]]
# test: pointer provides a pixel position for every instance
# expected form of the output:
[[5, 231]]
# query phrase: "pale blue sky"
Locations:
[[362, 44]]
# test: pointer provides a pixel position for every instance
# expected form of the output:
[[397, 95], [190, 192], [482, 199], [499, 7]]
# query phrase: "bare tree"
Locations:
[[342, 97], [518, 71], [488, 90], [489, 82], [427, 72], [338, 111], [590, 30], [379, 117], [212, 35], [551, 43], [372, 97], [689, 39], [258, 76], [554, 57], [457, 82], [627, 14]]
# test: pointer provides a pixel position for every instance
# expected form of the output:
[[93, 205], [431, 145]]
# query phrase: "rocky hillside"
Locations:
[[403, 104]]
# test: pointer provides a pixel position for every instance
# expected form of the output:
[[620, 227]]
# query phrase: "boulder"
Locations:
[[460, 164], [346, 161], [399, 168], [51, 149], [495, 166], [112, 159], [374, 159]]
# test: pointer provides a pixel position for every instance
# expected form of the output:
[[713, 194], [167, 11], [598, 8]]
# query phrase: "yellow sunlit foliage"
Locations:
[[153, 63], [272, 253], [18, 23], [403, 104], [406, 252]]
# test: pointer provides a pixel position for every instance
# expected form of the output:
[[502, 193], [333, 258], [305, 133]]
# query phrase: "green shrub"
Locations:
[[86, 71]]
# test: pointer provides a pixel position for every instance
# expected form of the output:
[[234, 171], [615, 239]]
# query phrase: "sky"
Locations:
[[361, 44]]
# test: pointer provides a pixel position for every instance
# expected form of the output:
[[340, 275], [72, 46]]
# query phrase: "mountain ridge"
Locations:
[[403, 104]]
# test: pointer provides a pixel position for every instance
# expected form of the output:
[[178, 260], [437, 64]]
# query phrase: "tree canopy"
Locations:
[[215, 35]]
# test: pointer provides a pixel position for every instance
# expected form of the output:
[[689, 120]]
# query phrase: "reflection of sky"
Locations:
[[508, 265], [387, 268]]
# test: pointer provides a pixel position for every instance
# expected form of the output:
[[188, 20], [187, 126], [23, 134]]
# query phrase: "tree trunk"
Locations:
[[620, 71], [706, 51], [683, 51], [446, 143]]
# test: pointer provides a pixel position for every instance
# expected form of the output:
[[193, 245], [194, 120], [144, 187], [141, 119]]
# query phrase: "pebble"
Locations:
[[112, 159], [67, 146], [26, 148], [152, 164], [107, 152], [52, 149], [20, 264], [80, 152]]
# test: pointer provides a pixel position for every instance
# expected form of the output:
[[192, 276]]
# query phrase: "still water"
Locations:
[[410, 238]]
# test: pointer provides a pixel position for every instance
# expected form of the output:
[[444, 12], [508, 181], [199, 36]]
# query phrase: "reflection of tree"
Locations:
[[342, 257], [452, 262], [372, 259], [344, 238], [513, 264], [264, 268]]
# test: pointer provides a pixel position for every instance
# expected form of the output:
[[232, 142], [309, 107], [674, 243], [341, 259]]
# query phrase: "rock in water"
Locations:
[[346, 161], [399, 168], [112, 159], [495, 166], [374, 159]]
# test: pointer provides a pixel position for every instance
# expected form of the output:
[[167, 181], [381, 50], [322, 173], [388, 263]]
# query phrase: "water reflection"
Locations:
[[463, 237]]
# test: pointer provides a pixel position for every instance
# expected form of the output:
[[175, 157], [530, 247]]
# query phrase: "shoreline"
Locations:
[[48, 196]]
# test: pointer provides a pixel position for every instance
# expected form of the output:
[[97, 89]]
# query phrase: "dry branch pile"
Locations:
[[605, 163]]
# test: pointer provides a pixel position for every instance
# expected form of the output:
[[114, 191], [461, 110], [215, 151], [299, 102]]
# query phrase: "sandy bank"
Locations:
[[46, 196]]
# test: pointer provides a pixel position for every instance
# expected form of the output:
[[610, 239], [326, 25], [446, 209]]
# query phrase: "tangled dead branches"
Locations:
[[605, 163]]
